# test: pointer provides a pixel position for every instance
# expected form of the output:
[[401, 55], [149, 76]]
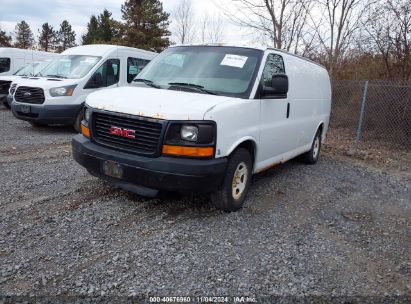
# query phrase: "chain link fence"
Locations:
[[373, 116]]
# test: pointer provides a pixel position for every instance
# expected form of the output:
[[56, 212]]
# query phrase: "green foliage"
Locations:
[[66, 37], [145, 25], [24, 36], [47, 38], [5, 40], [101, 29]]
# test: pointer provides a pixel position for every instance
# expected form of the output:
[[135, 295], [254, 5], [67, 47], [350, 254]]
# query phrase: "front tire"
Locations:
[[311, 157], [232, 194], [77, 122], [6, 104]]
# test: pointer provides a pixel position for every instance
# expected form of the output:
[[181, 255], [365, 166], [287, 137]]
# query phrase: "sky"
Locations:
[[78, 12]]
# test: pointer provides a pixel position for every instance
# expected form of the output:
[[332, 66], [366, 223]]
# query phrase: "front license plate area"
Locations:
[[25, 109], [112, 169]]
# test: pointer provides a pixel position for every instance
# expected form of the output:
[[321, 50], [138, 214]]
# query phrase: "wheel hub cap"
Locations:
[[239, 180]]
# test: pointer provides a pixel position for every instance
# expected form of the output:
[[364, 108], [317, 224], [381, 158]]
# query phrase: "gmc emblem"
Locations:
[[122, 132]]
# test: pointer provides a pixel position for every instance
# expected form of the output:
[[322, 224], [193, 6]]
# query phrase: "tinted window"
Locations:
[[4, 65], [106, 75], [134, 66], [273, 65]]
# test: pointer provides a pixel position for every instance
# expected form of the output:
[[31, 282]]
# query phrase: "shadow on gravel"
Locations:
[[57, 129]]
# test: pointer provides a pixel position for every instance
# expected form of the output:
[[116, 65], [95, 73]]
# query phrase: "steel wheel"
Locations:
[[239, 180]]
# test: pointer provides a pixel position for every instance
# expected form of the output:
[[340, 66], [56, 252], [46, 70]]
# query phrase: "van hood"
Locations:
[[9, 77], [155, 103], [46, 83]]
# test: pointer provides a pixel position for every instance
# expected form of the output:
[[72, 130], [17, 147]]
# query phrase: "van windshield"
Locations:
[[228, 71], [4, 65], [32, 69], [70, 66]]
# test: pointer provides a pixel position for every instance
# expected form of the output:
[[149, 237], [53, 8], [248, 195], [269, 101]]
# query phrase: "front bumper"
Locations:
[[161, 173], [46, 114]]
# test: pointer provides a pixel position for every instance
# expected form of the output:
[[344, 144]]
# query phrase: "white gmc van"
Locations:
[[205, 118], [58, 97]]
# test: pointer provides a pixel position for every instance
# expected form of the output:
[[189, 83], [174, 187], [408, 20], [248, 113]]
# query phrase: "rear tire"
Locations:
[[79, 118], [236, 182], [311, 157]]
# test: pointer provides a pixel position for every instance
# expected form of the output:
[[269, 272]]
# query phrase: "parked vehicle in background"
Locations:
[[8, 83], [12, 59], [58, 98], [205, 118]]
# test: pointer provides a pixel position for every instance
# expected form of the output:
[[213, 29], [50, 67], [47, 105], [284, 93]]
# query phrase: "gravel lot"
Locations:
[[337, 228]]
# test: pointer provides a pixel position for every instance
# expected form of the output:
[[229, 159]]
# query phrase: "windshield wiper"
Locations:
[[196, 87], [57, 76], [147, 82]]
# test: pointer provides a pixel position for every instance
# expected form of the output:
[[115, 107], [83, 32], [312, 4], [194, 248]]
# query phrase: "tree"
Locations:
[[101, 29], [5, 40], [24, 36], [145, 25], [93, 32], [66, 37], [47, 38], [212, 29], [342, 19], [184, 22], [388, 34], [281, 22]]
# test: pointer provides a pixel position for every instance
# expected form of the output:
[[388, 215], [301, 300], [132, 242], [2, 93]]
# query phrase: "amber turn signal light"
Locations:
[[85, 131], [188, 151]]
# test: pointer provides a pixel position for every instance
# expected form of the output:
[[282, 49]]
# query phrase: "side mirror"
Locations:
[[278, 88]]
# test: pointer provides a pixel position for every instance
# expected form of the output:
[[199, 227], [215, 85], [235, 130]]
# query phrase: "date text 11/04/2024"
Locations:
[[203, 299]]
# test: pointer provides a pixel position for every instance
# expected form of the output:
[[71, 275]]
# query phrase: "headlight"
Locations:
[[189, 133], [63, 91]]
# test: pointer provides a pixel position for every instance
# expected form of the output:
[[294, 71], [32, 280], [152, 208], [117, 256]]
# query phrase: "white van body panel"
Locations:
[[21, 57]]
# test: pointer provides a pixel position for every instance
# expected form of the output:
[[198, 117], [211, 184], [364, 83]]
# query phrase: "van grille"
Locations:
[[4, 86], [147, 132], [29, 95]]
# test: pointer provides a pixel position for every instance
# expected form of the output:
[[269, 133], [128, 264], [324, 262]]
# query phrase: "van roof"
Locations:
[[261, 48], [99, 49], [10, 50]]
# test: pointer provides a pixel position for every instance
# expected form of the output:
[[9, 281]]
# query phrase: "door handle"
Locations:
[[288, 110]]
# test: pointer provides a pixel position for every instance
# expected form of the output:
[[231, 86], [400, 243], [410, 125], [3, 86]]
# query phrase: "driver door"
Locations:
[[274, 115], [106, 76]]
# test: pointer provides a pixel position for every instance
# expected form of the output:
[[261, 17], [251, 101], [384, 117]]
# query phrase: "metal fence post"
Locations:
[[360, 120]]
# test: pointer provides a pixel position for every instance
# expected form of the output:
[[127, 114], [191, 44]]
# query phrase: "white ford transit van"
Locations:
[[59, 96], [12, 59], [205, 118], [9, 81]]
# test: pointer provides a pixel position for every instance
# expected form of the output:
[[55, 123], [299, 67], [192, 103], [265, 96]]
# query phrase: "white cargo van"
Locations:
[[12, 59], [205, 118], [58, 97], [6, 82]]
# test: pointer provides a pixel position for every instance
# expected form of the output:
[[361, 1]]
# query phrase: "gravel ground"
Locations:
[[338, 228]]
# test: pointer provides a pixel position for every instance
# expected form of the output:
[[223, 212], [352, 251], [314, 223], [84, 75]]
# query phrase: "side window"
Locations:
[[106, 75], [273, 65], [4, 65], [134, 66]]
